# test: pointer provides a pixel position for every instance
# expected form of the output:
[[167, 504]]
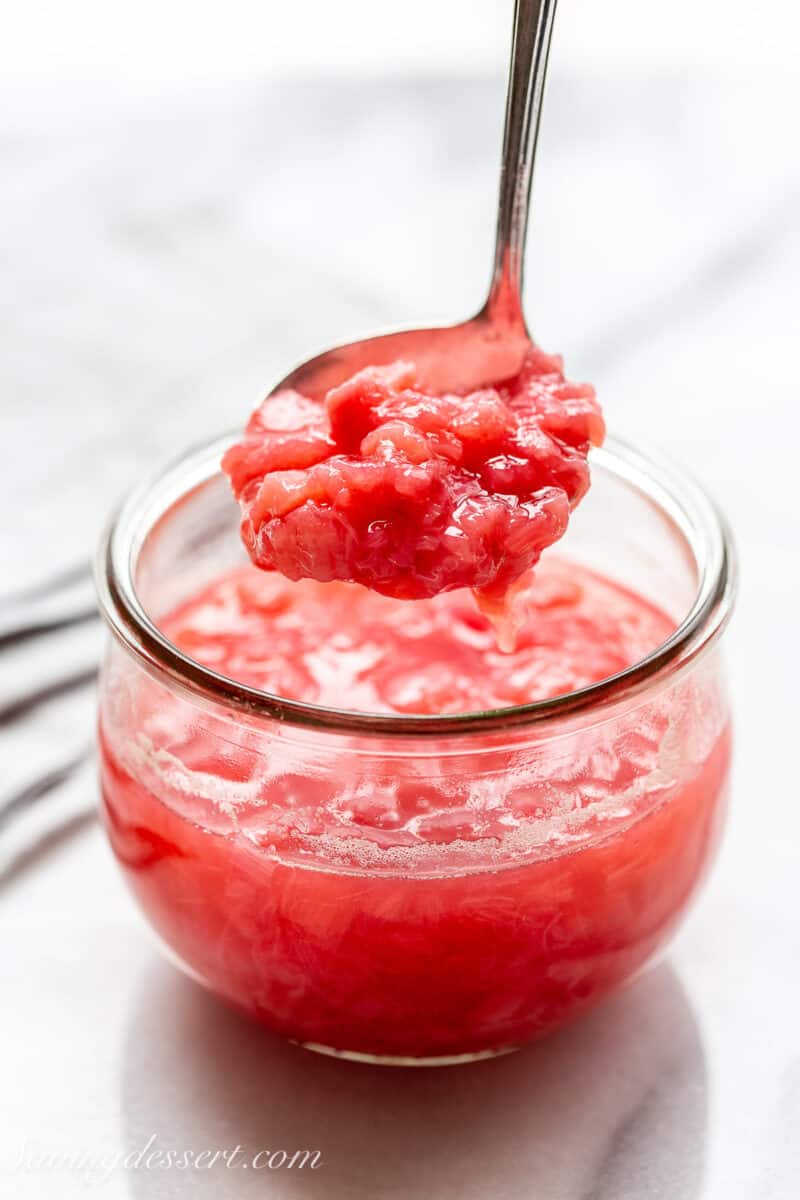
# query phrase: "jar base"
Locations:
[[400, 1060]]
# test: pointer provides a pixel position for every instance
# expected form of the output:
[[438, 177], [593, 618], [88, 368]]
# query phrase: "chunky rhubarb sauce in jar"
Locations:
[[352, 814]]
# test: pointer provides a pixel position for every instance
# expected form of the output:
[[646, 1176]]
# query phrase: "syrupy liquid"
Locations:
[[412, 897]]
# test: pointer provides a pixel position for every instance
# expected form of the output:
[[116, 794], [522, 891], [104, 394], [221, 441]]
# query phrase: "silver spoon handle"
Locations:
[[533, 25]]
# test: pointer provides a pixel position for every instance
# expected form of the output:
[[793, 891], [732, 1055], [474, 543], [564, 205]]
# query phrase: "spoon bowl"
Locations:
[[451, 358]]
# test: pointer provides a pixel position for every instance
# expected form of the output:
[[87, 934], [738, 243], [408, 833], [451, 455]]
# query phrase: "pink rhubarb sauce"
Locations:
[[409, 493], [395, 900]]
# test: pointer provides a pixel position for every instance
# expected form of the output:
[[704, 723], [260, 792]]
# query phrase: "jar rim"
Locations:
[[675, 493]]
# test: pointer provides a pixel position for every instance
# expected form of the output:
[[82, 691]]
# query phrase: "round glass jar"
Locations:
[[433, 950]]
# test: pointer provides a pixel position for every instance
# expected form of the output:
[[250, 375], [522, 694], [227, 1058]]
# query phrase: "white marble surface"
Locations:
[[161, 262]]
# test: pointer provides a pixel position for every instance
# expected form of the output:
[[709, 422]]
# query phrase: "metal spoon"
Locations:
[[492, 345]]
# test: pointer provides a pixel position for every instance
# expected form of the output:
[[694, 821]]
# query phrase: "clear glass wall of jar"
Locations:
[[335, 935]]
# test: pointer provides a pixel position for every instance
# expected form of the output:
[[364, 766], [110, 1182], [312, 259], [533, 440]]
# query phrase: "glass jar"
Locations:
[[438, 949]]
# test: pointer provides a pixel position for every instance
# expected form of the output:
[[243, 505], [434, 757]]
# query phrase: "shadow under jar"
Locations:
[[422, 949]]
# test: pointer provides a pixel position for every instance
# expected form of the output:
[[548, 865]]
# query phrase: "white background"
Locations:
[[179, 222], [182, 40]]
